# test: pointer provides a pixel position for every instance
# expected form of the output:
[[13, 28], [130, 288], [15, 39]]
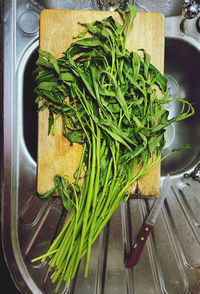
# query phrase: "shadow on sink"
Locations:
[[181, 60], [30, 121]]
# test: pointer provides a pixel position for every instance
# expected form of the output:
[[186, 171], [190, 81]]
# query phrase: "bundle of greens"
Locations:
[[106, 98]]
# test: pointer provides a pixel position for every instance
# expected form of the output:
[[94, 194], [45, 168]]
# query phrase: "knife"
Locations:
[[148, 226]]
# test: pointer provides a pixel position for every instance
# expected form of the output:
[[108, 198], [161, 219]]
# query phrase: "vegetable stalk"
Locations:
[[113, 110]]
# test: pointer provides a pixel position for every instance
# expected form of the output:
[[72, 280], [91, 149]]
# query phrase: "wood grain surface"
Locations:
[[57, 29]]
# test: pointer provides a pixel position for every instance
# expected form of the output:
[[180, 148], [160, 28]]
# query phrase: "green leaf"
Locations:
[[86, 78], [122, 102], [136, 84], [67, 77], [159, 79], [52, 60], [75, 136], [136, 60], [128, 156], [132, 15], [83, 33], [88, 42], [146, 63], [51, 121], [63, 192], [154, 141], [49, 86], [44, 62]]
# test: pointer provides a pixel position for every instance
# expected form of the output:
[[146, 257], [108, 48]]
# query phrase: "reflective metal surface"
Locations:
[[171, 259], [63, 4], [166, 7], [190, 8]]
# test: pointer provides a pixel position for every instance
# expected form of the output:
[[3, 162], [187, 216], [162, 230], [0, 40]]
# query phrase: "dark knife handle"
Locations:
[[138, 246]]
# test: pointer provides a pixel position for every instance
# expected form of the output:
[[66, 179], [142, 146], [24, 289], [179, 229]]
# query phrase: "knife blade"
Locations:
[[147, 226]]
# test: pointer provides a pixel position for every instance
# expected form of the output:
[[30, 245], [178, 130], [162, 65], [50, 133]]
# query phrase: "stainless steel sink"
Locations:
[[181, 68], [171, 259]]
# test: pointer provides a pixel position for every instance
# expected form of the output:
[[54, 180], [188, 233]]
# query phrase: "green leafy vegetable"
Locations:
[[113, 110]]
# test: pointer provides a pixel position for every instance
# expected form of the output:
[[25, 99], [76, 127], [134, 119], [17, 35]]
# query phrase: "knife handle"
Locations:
[[138, 246]]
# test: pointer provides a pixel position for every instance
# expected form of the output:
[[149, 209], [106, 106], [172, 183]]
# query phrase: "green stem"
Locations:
[[89, 198], [96, 190]]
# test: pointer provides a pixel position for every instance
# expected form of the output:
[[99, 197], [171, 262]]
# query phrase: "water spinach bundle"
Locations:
[[106, 98]]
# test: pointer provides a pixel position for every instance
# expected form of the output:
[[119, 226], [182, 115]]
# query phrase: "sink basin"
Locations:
[[181, 59], [171, 258]]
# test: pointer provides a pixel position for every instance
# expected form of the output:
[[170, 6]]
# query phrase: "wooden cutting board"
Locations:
[[57, 29]]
